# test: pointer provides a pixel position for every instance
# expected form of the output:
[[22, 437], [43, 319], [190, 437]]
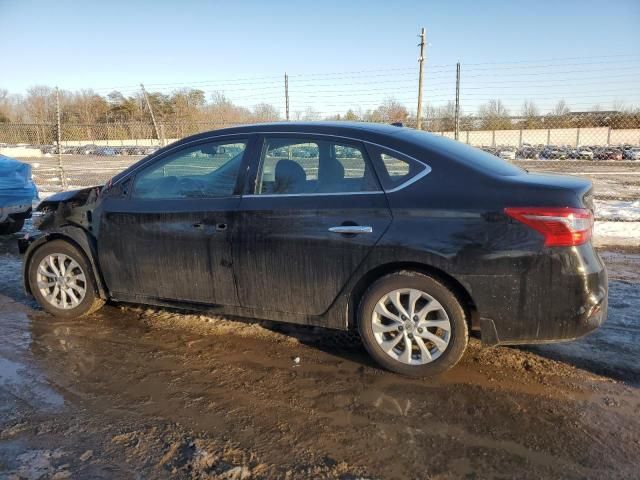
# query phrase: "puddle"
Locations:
[[143, 387]]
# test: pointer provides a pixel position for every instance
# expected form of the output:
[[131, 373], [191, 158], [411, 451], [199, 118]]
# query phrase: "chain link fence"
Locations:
[[604, 147]]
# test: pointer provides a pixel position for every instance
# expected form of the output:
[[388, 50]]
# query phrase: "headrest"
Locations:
[[288, 176]]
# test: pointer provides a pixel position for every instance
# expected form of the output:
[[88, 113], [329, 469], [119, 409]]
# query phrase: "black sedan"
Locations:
[[414, 240]]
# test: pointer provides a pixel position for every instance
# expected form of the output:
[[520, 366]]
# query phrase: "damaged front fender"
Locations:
[[66, 216], [72, 207]]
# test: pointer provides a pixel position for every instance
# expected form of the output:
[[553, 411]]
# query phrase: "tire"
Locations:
[[11, 227], [80, 283], [445, 319]]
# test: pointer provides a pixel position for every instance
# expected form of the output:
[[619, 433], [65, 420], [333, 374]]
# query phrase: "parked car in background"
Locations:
[[553, 153], [608, 153], [507, 153], [632, 153], [366, 229], [105, 151], [582, 153], [135, 150], [17, 193], [88, 149], [527, 152]]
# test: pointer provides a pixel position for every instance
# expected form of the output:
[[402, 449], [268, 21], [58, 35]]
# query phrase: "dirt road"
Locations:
[[136, 393]]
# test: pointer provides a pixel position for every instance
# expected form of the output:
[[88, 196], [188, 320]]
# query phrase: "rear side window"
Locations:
[[308, 166], [396, 168]]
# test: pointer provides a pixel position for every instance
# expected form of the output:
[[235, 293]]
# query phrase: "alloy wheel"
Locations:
[[61, 281], [411, 326]]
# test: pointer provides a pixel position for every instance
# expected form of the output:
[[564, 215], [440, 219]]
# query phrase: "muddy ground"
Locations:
[[142, 393]]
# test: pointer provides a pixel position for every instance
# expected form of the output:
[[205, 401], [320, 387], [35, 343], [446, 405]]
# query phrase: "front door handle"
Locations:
[[353, 229]]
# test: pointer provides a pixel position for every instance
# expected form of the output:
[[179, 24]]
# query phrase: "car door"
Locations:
[[314, 211], [168, 236]]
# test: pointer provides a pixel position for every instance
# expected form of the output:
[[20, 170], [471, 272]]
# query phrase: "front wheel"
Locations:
[[413, 324], [62, 281]]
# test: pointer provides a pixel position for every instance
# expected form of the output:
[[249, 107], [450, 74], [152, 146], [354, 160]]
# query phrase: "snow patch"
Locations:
[[616, 233], [617, 210]]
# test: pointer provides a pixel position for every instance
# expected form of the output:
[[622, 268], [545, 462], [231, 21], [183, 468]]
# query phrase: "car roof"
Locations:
[[357, 130]]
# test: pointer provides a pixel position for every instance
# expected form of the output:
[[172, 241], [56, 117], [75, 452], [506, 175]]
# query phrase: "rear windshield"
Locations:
[[473, 157]]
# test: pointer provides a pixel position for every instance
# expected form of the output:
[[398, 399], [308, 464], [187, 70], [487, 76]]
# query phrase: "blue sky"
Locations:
[[586, 51]]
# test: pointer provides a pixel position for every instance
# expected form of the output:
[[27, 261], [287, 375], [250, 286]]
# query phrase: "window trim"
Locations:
[[361, 145], [237, 188], [248, 175]]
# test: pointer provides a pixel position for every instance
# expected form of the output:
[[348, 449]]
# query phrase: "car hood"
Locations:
[[74, 197]]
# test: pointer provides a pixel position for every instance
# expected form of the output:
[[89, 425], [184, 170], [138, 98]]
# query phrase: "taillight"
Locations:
[[561, 227]]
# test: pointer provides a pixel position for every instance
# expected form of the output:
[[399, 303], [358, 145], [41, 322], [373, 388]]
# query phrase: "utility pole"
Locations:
[[457, 121], [153, 117], [421, 63], [286, 93], [63, 177]]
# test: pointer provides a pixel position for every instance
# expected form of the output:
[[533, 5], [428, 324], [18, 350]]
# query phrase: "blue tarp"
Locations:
[[16, 185]]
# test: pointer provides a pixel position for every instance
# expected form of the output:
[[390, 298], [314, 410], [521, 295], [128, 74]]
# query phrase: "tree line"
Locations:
[[190, 106]]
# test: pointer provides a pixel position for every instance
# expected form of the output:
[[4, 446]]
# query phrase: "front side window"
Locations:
[[299, 166], [201, 171]]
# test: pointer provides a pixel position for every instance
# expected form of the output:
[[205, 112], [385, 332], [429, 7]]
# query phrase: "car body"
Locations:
[[339, 225], [17, 193]]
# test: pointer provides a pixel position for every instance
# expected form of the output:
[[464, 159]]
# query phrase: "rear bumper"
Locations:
[[561, 297]]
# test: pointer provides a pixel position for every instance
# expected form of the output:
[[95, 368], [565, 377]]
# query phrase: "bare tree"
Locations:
[[494, 116], [389, 112], [560, 109], [530, 115], [351, 116], [264, 112], [310, 115]]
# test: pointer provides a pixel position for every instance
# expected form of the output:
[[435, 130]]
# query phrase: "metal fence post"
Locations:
[[609, 136], [286, 94], [520, 139], [578, 137], [420, 77], [548, 136], [493, 138], [457, 115], [63, 176]]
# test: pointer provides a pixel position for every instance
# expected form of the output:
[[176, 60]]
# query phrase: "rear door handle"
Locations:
[[220, 227], [354, 229]]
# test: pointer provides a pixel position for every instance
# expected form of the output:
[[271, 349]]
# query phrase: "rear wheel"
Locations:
[[11, 226], [62, 281], [413, 324]]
